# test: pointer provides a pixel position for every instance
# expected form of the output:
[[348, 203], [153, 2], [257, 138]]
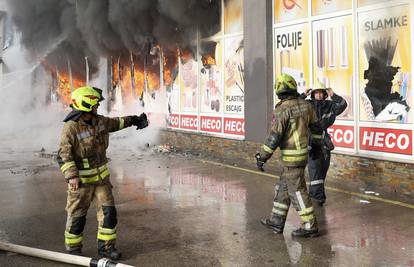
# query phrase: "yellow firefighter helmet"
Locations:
[[85, 98], [285, 84]]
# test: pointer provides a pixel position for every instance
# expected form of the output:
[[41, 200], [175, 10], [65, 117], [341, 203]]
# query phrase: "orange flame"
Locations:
[[208, 60], [185, 56], [153, 79], [138, 80], [126, 84], [115, 75], [170, 63], [64, 88]]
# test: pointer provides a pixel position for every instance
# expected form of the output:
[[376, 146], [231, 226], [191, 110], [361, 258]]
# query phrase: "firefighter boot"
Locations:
[[76, 252], [305, 233], [276, 223], [108, 251]]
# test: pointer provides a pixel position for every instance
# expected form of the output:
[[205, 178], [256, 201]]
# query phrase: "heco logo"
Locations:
[[386, 140], [234, 126], [174, 121], [211, 124], [342, 136], [189, 122]]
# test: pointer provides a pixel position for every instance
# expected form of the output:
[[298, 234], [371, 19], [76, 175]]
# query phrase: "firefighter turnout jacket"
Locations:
[[290, 131], [82, 149], [326, 112]]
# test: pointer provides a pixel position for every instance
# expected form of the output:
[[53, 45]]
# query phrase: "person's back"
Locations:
[[290, 132], [295, 116]]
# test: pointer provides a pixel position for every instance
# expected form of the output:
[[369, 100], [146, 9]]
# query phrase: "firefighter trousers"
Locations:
[[318, 166], [77, 206], [291, 188]]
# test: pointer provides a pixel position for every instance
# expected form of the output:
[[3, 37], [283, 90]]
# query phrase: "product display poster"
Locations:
[[385, 65], [211, 82], [333, 58], [371, 2], [188, 84], [233, 16], [288, 10], [234, 76], [320, 7], [292, 54]]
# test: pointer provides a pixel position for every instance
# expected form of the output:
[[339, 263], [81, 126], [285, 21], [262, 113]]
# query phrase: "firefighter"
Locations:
[[290, 132], [82, 160], [320, 153]]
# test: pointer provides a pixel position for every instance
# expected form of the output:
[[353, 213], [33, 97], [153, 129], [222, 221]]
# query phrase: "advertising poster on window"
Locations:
[[333, 58], [234, 76], [385, 65], [210, 78], [188, 84], [287, 10], [292, 54], [371, 2], [320, 7], [233, 16]]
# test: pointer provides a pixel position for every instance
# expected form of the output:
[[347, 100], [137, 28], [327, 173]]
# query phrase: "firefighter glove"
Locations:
[[259, 162], [140, 121]]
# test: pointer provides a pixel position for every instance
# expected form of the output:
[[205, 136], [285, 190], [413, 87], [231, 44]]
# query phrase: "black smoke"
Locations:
[[59, 31]]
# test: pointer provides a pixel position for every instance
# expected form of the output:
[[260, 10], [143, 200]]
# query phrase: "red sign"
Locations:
[[174, 121], [211, 124], [189, 122], [386, 140], [342, 135], [234, 126]]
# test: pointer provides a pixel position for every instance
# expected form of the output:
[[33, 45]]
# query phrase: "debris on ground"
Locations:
[[163, 149]]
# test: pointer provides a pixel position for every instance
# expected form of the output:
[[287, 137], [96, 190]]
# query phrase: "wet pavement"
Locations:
[[179, 211]]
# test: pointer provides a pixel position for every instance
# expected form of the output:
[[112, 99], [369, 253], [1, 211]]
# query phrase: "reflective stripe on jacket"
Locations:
[[82, 149], [290, 131]]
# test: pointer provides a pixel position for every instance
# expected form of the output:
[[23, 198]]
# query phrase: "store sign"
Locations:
[[211, 124], [291, 54], [342, 135], [189, 122], [174, 121], [386, 140], [234, 126]]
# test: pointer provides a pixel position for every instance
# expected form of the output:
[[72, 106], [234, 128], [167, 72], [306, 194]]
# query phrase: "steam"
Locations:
[[28, 124]]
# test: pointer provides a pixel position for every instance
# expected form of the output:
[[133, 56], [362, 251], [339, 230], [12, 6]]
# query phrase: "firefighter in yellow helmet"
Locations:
[[83, 162], [292, 118]]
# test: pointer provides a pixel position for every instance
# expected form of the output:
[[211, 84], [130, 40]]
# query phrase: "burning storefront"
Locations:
[[143, 44], [213, 62]]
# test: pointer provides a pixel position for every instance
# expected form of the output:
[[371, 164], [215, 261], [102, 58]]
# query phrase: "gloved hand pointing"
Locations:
[[140, 121]]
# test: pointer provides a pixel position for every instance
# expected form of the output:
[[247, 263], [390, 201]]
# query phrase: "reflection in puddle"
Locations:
[[227, 191]]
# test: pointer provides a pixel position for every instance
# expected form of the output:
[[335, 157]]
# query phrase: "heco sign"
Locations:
[[234, 126], [386, 140], [189, 122], [211, 124], [174, 121], [342, 136]]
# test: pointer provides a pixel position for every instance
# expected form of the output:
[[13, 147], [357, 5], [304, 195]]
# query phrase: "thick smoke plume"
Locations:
[[58, 31]]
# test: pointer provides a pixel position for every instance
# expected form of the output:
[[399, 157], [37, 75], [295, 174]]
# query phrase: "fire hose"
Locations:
[[60, 257]]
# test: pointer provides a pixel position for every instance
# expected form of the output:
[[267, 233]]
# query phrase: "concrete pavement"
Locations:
[[178, 211]]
